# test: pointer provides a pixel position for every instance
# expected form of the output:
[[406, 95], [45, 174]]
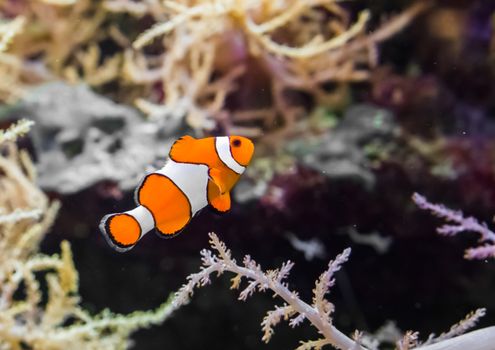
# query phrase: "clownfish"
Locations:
[[198, 172]]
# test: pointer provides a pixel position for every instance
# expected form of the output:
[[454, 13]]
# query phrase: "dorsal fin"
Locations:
[[181, 149]]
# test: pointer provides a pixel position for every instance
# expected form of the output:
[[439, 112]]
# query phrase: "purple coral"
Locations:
[[459, 224]]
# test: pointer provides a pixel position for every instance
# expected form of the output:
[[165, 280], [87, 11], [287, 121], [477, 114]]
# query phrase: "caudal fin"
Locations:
[[123, 230]]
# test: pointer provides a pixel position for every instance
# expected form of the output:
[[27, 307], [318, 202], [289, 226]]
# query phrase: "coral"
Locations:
[[459, 328], [348, 151], [311, 249], [218, 55], [318, 313], [215, 57], [286, 188], [18, 129], [56, 30], [9, 65], [351, 150], [378, 242], [460, 223], [9, 30], [39, 301], [101, 141], [320, 310], [61, 39]]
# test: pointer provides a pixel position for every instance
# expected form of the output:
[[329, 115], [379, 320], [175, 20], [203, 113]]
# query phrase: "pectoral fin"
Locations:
[[221, 202], [217, 177]]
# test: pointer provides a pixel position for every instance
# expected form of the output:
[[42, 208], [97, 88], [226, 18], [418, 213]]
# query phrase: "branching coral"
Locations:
[[253, 67], [13, 132], [295, 309], [9, 65], [286, 48], [460, 223], [319, 312], [9, 30], [59, 39], [31, 315], [459, 328], [56, 29]]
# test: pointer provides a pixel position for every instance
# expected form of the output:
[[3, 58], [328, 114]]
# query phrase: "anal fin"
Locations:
[[167, 235], [171, 228]]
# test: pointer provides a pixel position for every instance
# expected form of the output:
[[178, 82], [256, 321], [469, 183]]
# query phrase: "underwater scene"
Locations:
[[247, 174]]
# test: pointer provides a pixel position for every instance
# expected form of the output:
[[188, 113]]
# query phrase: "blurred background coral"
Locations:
[[353, 106]]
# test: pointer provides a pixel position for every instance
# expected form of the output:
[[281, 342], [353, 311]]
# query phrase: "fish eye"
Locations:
[[236, 143]]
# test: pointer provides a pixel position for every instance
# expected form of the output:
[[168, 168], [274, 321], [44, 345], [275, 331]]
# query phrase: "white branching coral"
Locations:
[[458, 223], [9, 30], [20, 128], [318, 313], [459, 328], [210, 46], [32, 316], [409, 341], [294, 309]]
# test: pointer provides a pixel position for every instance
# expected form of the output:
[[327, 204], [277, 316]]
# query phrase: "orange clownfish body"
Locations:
[[199, 172]]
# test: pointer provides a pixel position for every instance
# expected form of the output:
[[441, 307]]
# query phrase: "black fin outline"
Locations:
[[105, 231]]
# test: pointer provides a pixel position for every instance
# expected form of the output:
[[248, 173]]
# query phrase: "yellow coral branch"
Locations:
[[107, 320], [163, 28], [131, 7], [313, 48], [20, 214], [287, 15], [29, 317], [18, 129], [59, 2], [313, 344], [69, 278], [9, 30]]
